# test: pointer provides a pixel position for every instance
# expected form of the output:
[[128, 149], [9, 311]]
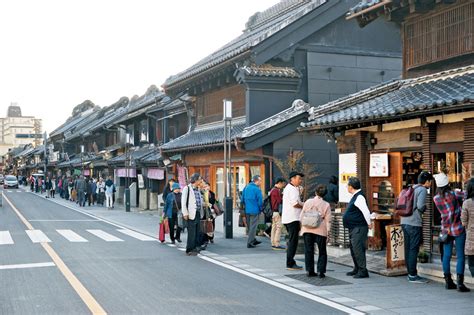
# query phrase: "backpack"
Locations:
[[267, 208], [404, 205]]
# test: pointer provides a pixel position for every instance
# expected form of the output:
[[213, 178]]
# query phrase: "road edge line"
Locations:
[[80, 289], [318, 299]]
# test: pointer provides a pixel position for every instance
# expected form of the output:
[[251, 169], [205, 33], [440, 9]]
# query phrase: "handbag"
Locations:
[[218, 208], [443, 237], [180, 220], [311, 219], [206, 226], [161, 232]]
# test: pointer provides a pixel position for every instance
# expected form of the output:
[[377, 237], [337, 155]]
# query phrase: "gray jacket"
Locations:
[[419, 204]]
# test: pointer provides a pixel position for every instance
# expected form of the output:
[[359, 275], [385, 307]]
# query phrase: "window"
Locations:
[[144, 130], [443, 35], [210, 106]]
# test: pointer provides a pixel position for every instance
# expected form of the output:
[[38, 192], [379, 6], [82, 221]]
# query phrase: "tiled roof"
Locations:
[[140, 105], [298, 107], [134, 154], [260, 26], [206, 135], [80, 112], [446, 90], [269, 71], [153, 158], [78, 160]]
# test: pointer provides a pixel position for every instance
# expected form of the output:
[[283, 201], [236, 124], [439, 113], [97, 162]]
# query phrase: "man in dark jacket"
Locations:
[[357, 219], [81, 187]]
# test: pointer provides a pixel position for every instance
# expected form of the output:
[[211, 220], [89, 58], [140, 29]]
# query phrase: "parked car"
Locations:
[[2, 178], [10, 182]]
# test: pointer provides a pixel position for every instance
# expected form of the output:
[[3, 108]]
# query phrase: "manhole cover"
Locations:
[[327, 281]]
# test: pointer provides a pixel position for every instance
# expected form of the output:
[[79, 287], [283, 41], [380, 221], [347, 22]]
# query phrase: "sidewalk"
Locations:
[[377, 294]]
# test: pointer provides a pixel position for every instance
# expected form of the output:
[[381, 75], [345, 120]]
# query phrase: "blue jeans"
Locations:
[[412, 238], [448, 252]]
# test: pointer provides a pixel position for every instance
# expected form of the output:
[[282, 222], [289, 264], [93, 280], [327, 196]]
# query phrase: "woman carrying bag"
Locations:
[[449, 205], [315, 225], [172, 211]]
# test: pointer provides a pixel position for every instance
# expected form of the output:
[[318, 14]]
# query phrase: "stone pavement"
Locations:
[[377, 294]]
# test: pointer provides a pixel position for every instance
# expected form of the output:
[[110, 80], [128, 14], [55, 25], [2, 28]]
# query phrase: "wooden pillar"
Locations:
[[362, 159], [429, 137]]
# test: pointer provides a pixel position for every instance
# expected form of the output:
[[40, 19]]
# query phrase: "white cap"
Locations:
[[441, 180]]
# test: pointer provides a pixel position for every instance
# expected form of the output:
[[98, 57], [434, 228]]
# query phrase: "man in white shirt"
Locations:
[[291, 211], [357, 219]]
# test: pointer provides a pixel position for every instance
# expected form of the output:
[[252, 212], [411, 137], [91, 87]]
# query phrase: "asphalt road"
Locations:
[[122, 274]]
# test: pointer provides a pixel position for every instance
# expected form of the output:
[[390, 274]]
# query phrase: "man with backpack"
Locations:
[[411, 209], [253, 201]]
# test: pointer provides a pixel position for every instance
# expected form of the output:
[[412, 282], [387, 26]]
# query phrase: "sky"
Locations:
[[56, 54]]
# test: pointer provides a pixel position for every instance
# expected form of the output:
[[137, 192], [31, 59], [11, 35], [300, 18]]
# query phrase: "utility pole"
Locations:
[[228, 201]]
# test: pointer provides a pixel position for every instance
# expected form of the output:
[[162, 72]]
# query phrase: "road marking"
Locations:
[[368, 308], [105, 236], [37, 236], [25, 266], [65, 220], [72, 236], [138, 236], [85, 295], [18, 191], [282, 286], [5, 238], [9, 191]]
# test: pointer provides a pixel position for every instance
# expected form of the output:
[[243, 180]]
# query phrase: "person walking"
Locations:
[[357, 219], [100, 191], [53, 187], [47, 185], [412, 227], [253, 201], [93, 197], [81, 188], [109, 192], [449, 205], [467, 219], [276, 200], [192, 208], [172, 208], [168, 188], [316, 234], [291, 211]]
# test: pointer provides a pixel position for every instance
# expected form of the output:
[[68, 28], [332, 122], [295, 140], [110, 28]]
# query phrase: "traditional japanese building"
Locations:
[[389, 133], [294, 50]]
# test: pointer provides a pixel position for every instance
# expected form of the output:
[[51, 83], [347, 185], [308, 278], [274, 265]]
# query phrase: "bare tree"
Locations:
[[295, 162]]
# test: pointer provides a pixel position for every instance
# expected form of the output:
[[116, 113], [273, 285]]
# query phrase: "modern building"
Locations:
[[18, 130]]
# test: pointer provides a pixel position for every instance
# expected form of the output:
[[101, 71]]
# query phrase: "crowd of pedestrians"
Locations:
[[79, 189]]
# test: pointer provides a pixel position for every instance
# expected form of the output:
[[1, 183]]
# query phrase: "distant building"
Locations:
[[17, 130]]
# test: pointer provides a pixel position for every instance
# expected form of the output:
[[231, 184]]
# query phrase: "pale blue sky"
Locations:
[[55, 54]]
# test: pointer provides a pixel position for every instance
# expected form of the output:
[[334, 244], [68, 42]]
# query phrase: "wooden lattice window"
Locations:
[[439, 36], [210, 106]]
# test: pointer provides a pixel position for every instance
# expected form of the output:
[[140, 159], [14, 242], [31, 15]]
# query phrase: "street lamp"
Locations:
[[127, 165], [229, 203]]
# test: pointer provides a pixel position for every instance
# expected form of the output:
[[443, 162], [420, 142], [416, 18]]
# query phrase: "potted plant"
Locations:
[[423, 257]]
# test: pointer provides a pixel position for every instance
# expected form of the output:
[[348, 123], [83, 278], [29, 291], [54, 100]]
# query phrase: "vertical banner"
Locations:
[[182, 176], [347, 168]]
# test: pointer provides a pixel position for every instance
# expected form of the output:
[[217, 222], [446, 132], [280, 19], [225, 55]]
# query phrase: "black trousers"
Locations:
[[358, 246], [175, 230], [194, 227], [309, 240], [293, 229], [470, 261]]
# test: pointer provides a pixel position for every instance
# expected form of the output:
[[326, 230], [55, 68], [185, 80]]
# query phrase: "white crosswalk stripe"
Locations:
[[5, 238], [138, 236], [37, 236], [72, 236], [105, 236]]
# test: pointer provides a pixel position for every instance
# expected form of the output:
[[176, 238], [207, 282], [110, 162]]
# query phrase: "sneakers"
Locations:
[[278, 247], [416, 279], [294, 267]]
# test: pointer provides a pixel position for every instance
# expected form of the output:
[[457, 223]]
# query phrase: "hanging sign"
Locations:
[[156, 173], [378, 165]]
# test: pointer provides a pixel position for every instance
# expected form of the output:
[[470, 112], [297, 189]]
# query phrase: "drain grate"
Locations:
[[327, 281]]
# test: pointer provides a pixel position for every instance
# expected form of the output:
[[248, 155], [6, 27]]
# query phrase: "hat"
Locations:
[[175, 186], [294, 173], [441, 180]]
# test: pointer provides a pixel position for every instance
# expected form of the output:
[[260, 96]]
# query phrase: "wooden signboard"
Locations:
[[395, 247]]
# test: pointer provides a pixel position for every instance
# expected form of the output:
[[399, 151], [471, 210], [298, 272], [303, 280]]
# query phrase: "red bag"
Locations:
[[404, 204], [164, 228]]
